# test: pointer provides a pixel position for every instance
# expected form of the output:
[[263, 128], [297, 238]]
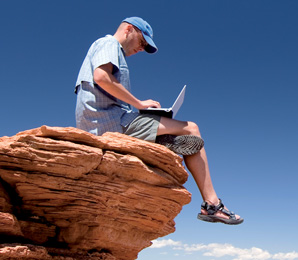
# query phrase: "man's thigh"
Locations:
[[176, 127]]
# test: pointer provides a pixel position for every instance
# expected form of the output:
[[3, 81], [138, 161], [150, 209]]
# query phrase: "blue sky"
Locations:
[[239, 60]]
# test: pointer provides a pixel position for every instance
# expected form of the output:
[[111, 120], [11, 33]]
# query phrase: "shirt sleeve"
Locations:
[[105, 53]]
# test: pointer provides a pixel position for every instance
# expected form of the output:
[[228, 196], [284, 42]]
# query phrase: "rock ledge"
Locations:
[[67, 194]]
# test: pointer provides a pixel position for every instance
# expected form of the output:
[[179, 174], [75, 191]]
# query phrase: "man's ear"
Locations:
[[128, 29]]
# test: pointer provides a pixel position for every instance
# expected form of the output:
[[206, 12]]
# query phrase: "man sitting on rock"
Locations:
[[104, 104]]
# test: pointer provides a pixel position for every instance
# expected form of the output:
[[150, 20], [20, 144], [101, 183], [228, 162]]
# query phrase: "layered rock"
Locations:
[[65, 192]]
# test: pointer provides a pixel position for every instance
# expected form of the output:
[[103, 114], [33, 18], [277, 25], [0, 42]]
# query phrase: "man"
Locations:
[[104, 103]]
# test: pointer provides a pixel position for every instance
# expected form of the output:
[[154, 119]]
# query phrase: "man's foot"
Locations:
[[182, 144], [218, 213]]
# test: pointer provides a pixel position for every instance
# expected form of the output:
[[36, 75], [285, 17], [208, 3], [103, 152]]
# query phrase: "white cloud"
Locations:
[[223, 250], [164, 243], [286, 256]]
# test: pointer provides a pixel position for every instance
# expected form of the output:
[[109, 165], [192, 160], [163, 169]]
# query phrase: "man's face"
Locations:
[[135, 41]]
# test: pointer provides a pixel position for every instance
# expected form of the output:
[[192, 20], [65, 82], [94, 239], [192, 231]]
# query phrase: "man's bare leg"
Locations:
[[197, 163]]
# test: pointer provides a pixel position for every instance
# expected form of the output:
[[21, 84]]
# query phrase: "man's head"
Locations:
[[135, 35], [146, 31]]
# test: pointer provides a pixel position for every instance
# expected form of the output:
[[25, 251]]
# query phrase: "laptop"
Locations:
[[167, 112]]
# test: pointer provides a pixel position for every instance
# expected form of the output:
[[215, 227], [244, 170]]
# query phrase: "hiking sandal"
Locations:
[[211, 217], [182, 144]]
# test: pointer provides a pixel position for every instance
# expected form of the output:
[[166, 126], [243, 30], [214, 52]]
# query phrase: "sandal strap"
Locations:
[[212, 209]]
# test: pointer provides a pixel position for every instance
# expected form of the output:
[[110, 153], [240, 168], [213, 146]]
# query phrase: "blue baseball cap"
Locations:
[[146, 30]]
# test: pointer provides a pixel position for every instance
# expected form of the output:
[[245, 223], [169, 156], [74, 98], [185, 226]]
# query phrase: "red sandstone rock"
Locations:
[[23, 252], [111, 194]]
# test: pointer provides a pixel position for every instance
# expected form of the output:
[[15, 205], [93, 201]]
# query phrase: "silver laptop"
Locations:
[[167, 112]]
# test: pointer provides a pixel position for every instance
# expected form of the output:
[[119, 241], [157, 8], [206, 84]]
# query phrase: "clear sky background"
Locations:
[[239, 60]]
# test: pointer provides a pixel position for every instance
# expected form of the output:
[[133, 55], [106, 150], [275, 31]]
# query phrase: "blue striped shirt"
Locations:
[[97, 111]]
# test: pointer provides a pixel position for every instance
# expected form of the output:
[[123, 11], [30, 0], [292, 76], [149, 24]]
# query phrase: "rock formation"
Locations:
[[67, 194]]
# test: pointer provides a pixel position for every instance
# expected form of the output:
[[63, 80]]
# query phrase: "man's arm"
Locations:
[[104, 78]]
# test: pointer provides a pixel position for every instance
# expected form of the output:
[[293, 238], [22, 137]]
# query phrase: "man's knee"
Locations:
[[193, 129]]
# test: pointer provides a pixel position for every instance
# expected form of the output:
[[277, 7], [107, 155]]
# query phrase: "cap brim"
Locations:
[[151, 47]]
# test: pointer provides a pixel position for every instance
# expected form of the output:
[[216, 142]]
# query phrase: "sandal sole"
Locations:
[[215, 219]]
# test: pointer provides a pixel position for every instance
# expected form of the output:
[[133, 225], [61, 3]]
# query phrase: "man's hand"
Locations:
[[148, 103]]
